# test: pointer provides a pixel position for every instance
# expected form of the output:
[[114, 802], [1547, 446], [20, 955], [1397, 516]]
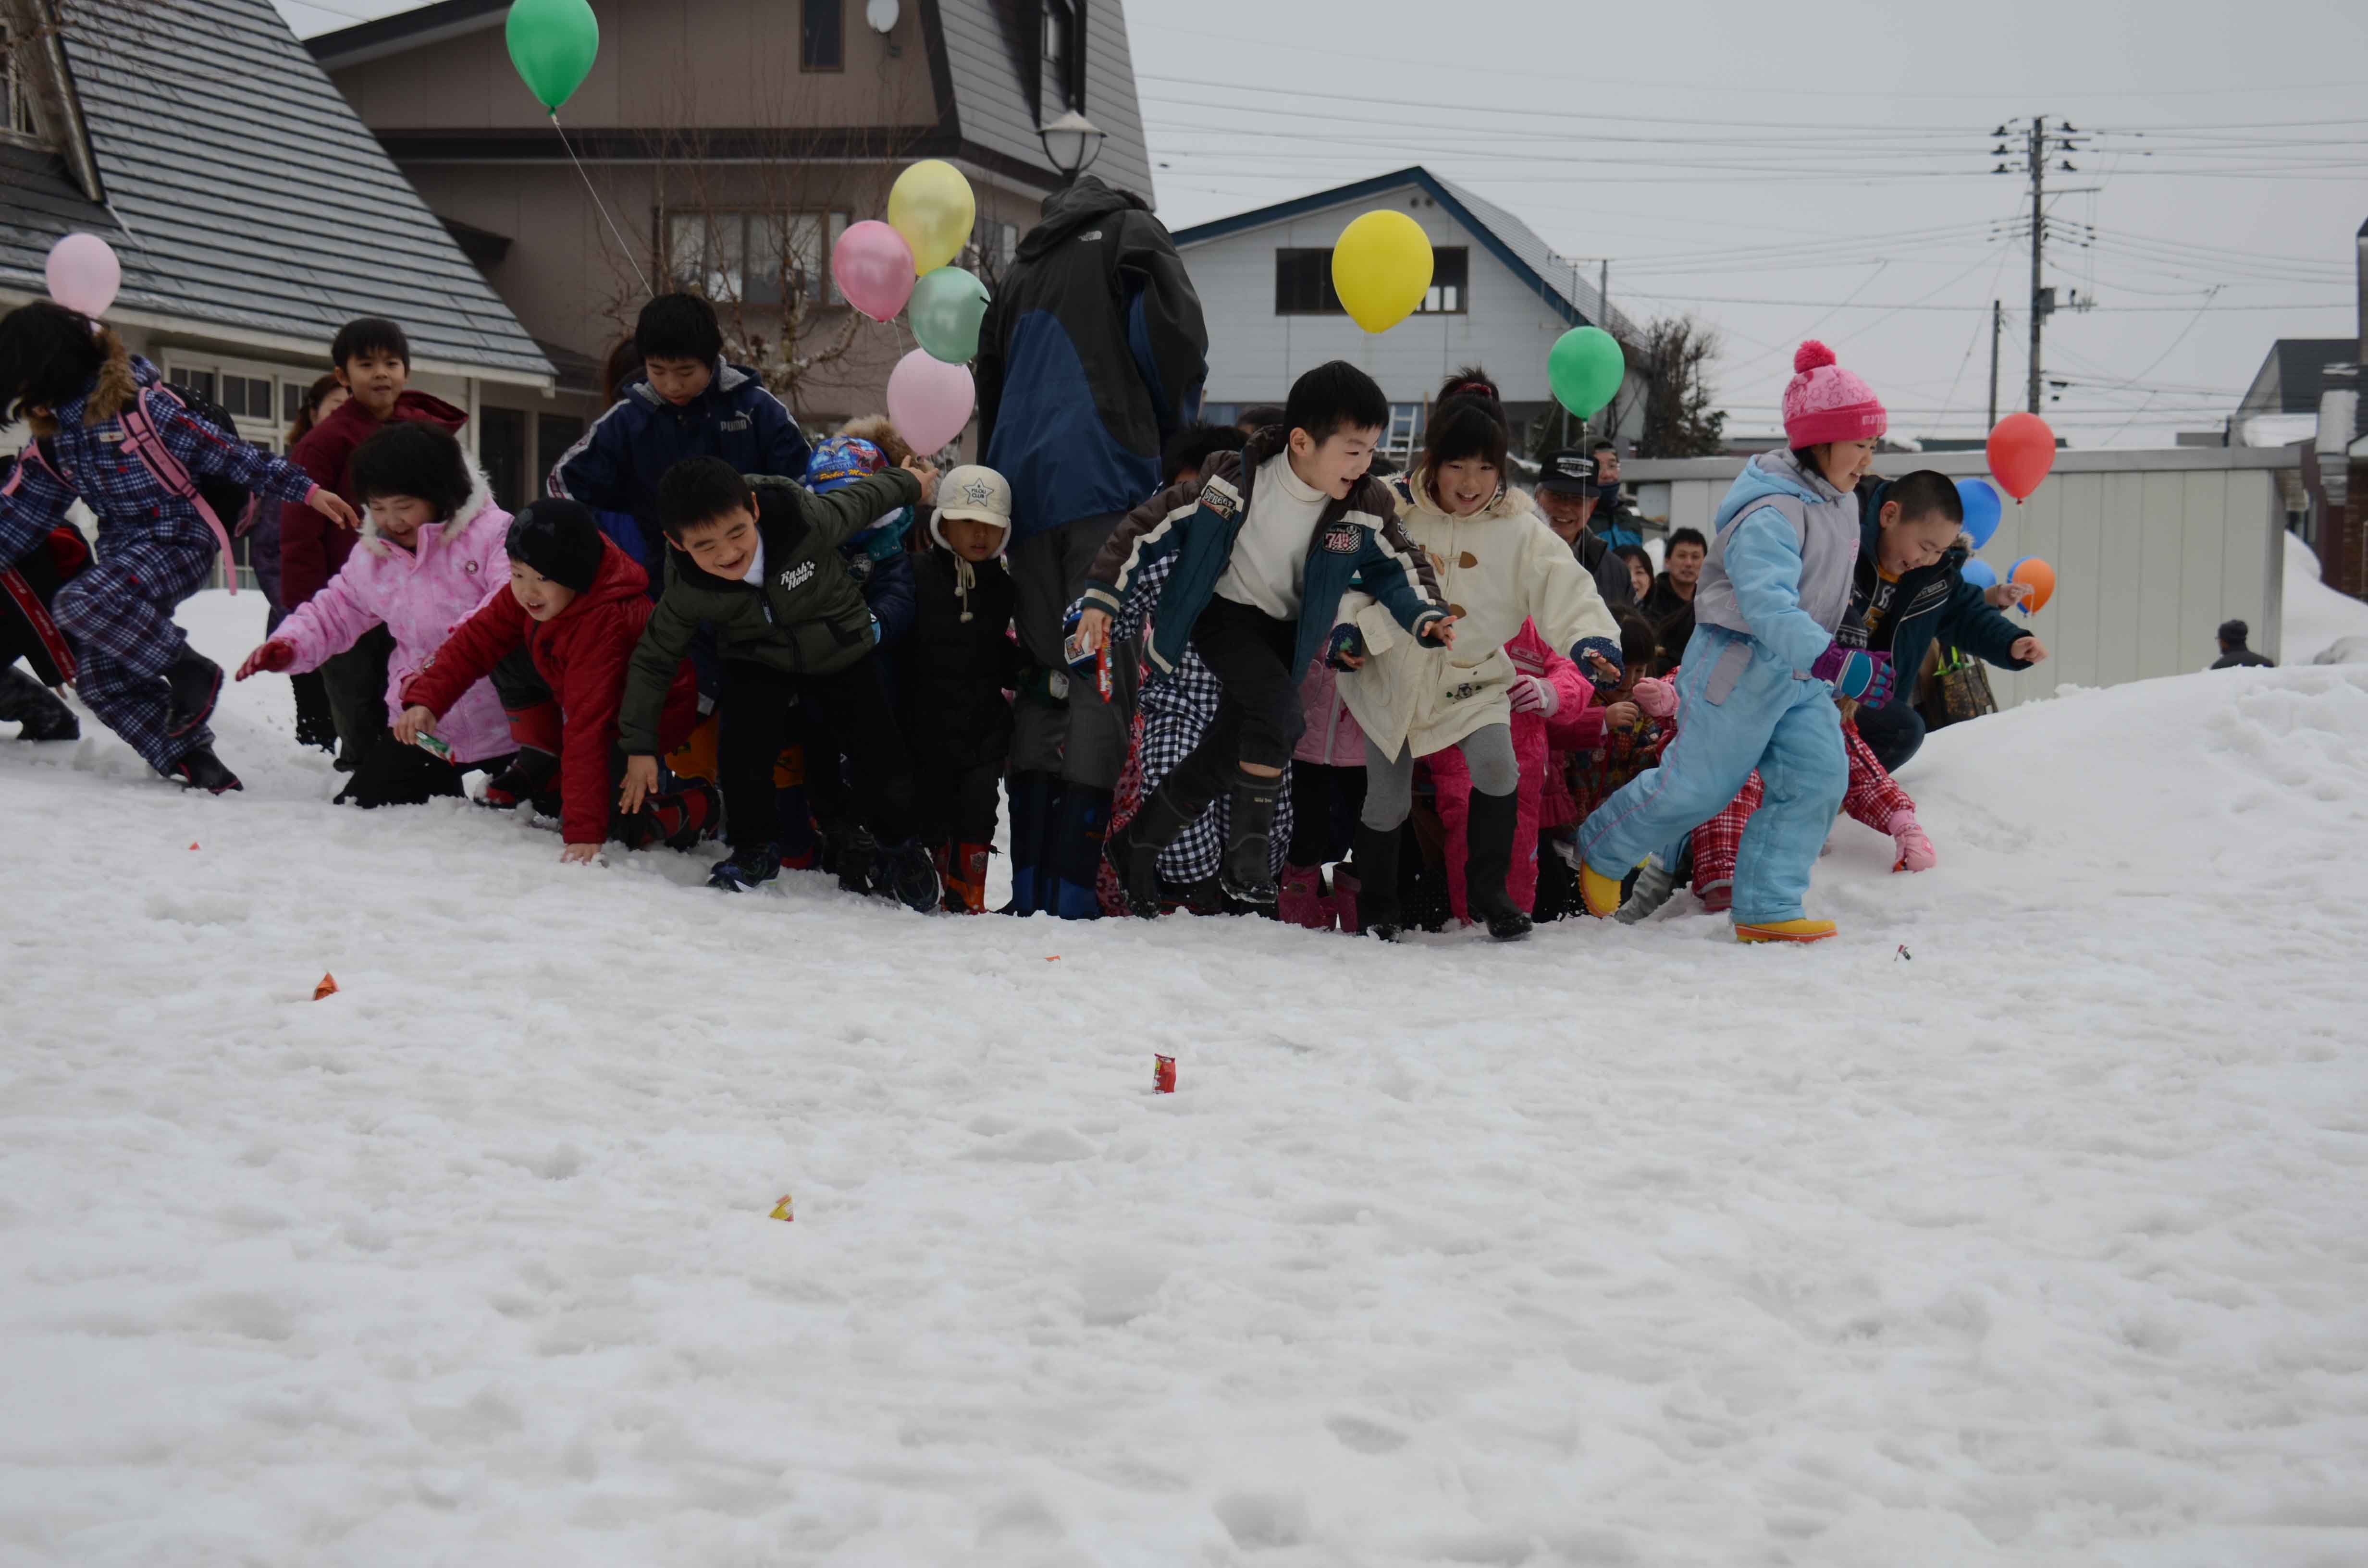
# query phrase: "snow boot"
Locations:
[[681, 820], [1377, 910], [745, 868], [1033, 798], [1916, 851], [1488, 860], [965, 878], [1078, 829], [909, 873], [196, 681], [26, 701], [853, 855], [530, 772], [199, 768], [1784, 931], [1133, 850], [1303, 901], [1247, 869], [1653, 887], [316, 721]]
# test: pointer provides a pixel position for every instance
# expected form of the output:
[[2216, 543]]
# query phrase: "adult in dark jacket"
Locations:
[[2234, 655], [1091, 357], [1910, 589], [1566, 495], [685, 402]]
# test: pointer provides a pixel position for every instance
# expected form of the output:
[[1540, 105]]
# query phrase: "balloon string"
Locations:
[[622, 244]]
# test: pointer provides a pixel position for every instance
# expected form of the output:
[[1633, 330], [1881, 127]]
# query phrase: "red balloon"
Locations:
[[2022, 451]]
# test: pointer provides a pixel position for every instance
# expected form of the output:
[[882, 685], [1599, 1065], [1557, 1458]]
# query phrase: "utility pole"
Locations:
[[1603, 303], [1997, 330], [2040, 140]]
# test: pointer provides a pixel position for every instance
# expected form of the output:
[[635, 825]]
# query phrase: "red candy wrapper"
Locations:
[[1094, 662], [1163, 1075]]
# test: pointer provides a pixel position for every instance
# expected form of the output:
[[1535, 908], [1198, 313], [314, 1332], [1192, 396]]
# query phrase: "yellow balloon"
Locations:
[[1381, 268], [931, 206]]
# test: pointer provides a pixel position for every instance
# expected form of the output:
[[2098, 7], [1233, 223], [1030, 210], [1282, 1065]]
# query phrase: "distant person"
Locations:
[[2234, 655], [1258, 417], [315, 724], [1091, 359], [1640, 569], [1566, 495], [1615, 519]]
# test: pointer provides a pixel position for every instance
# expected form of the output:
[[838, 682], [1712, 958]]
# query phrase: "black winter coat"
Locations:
[[958, 670]]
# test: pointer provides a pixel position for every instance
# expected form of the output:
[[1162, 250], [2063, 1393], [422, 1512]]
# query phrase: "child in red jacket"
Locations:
[[575, 608]]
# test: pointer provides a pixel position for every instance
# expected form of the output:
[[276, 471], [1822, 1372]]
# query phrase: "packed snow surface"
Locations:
[[2027, 1223]]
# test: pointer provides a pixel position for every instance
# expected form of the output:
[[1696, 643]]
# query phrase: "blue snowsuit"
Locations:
[[1773, 593]]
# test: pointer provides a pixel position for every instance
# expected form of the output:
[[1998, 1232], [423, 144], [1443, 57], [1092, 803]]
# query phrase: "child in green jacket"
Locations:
[[760, 560]]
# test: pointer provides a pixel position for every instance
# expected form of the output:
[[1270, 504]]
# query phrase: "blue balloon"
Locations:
[[1978, 573], [1982, 508]]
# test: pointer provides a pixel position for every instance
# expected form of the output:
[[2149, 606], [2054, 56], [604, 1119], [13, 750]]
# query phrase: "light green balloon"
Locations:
[[948, 306], [553, 43], [1585, 368]]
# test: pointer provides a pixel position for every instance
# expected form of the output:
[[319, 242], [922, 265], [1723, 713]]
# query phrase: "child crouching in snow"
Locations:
[[575, 605], [108, 433], [1498, 566], [433, 553]]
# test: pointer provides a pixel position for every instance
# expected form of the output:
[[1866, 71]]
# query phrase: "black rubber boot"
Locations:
[[530, 770], [25, 701], [1134, 850], [1487, 860], [196, 681], [909, 872], [202, 769], [1375, 857], [316, 724], [1247, 869]]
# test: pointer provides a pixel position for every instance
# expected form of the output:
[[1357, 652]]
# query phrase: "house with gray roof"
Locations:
[[724, 147], [252, 211], [1500, 297]]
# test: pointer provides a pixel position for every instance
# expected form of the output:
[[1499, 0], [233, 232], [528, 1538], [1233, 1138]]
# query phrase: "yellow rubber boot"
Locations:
[[1597, 892], [1785, 931]]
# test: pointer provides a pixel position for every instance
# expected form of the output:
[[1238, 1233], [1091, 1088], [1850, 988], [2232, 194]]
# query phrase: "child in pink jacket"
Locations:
[[1548, 689], [434, 552], [1327, 790]]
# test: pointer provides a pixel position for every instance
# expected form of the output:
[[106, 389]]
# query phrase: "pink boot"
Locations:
[[1344, 897], [1301, 902], [1916, 851]]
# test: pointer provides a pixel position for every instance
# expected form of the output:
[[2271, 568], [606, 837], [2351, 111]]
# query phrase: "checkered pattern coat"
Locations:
[[1875, 798]]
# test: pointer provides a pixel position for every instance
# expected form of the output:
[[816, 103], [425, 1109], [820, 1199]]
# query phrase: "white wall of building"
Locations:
[[2152, 551]]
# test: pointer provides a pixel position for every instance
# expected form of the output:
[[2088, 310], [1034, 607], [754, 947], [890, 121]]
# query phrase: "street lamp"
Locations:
[[1071, 143]]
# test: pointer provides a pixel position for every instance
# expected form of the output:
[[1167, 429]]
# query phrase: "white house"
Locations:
[[1500, 297]]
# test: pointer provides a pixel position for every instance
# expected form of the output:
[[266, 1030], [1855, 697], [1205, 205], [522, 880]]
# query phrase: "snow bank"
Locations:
[[1618, 1246], [2321, 625]]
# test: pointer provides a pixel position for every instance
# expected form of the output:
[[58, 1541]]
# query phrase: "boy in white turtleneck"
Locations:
[[1270, 539]]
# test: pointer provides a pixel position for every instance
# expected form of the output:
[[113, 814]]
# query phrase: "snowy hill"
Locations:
[[2043, 1244]]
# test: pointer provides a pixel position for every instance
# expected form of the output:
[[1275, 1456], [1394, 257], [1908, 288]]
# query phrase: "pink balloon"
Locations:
[[83, 274], [928, 400], [875, 268]]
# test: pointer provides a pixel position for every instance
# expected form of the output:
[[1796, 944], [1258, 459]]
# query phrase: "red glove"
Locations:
[[274, 655]]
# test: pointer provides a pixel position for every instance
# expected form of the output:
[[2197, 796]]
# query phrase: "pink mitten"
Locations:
[[1656, 696], [1532, 694], [1916, 851]]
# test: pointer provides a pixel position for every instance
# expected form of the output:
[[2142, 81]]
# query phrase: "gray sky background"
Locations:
[[1822, 169]]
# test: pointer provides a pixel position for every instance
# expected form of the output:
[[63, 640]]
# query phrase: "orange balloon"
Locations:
[[2021, 450], [2039, 577]]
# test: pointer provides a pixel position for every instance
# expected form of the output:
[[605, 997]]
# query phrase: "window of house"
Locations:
[[1059, 62], [15, 92], [822, 34], [756, 258], [1450, 278], [553, 433], [501, 452], [1302, 283]]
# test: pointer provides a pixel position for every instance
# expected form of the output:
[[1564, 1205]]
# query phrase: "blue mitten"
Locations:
[[1346, 642], [1857, 673], [1604, 649]]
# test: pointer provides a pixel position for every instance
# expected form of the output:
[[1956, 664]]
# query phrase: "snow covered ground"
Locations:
[[2316, 617], [2043, 1244]]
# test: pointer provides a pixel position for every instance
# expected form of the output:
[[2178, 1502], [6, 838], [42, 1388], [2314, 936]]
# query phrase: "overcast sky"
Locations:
[[1822, 168]]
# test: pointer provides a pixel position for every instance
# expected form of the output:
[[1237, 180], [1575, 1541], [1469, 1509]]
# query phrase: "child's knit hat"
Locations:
[[560, 539], [1825, 402]]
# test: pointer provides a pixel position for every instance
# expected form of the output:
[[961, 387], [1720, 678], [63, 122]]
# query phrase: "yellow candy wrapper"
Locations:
[[781, 1209]]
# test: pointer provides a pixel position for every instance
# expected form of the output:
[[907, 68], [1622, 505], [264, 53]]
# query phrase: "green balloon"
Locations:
[[553, 43], [1585, 368], [948, 306]]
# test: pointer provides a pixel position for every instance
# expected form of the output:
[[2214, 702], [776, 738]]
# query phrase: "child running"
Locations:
[[1759, 677], [576, 603], [1269, 540], [1500, 567], [108, 433], [433, 553]]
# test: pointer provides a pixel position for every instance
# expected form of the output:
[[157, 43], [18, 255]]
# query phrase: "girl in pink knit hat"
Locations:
[[1759, 676]]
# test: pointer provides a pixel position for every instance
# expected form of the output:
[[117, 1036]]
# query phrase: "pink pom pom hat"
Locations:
[[1825, 402]]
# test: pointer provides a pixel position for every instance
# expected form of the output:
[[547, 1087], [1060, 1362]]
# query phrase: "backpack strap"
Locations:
[[19, 593], [143, 439]]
